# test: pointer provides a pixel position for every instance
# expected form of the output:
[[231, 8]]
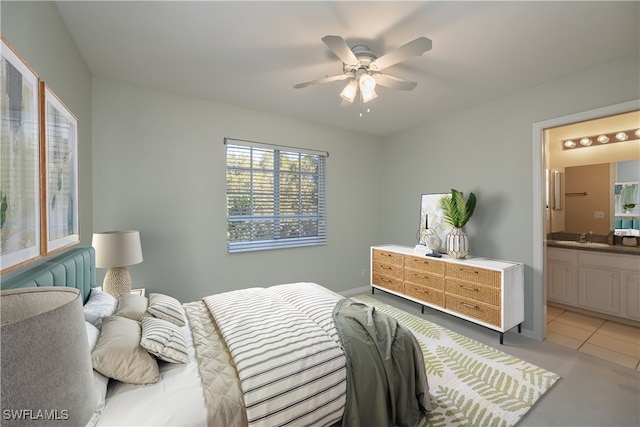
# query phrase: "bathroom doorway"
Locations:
[[542, 157]]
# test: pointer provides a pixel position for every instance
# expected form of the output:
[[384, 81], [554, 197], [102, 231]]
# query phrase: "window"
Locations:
[[275, 196]]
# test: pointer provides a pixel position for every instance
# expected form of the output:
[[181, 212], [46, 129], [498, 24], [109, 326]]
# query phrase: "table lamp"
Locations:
[[115, 250], [46, 371]]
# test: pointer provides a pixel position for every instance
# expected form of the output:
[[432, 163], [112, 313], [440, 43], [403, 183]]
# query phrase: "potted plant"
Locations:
[[457, 211]]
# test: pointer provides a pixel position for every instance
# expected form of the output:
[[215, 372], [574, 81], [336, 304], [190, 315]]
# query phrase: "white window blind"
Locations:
[[275, 196]]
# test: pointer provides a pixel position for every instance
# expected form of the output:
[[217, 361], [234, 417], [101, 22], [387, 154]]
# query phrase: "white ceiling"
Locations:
[[250, 54]]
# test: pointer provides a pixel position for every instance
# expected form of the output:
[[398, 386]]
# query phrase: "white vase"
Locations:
[[457, 243]]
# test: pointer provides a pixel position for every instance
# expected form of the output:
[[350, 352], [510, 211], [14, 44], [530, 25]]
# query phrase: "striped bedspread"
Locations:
[[283, 342]]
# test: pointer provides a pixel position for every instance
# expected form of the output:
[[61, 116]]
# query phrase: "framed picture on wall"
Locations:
[[431, 217], [20, 220], [60, 154]]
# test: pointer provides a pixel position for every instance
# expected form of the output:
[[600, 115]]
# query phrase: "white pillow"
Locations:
[[100, 304], [101, 391], [93, 334], [164, 340], [166, 308], [100, 380]]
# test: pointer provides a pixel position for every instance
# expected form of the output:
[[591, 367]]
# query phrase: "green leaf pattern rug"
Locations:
[[471, 384]]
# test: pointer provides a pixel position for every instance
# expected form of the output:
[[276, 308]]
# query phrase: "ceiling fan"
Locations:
[[363, 68]]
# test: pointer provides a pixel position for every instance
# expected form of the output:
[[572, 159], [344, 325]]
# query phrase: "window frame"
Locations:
[[274, 239]]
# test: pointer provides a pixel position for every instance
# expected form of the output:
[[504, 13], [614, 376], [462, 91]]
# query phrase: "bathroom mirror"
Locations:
[[601, 197], [593, 167]]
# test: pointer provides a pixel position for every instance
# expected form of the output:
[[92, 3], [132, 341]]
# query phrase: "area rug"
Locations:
[[470, 383]]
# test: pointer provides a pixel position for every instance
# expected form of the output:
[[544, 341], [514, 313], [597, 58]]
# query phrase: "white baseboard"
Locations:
[[356, 291]]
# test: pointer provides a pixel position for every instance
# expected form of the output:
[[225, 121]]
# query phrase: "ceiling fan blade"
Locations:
[[322, 80], [341, 49], [414, 48], [394, 82]]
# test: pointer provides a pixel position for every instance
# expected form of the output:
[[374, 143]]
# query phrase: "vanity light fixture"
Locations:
[[622, 136], [603, 138]]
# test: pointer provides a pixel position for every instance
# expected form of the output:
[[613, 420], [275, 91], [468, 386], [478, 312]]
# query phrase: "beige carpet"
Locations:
[[470, 383]]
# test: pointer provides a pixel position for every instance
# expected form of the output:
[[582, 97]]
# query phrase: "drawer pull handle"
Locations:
[[464, 304], [469, 288]]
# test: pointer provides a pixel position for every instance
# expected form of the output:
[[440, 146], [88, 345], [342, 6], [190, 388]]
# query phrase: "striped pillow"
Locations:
[[164, 340], [166, 308]]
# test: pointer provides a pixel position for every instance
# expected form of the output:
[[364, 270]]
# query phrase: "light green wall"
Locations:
[[159, 167], [37, 31], [489, 150]]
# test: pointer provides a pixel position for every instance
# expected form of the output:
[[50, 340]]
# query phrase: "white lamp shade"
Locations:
[[349, 91], [117, 248], [367, 83], [46, 364]]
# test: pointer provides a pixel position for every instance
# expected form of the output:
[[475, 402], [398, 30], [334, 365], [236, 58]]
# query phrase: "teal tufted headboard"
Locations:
[[75, 268]]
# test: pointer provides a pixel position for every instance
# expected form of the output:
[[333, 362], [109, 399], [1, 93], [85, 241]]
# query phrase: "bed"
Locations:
[[291, 354]]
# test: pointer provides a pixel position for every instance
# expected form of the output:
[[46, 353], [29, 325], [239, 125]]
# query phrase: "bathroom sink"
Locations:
[[579, 244]]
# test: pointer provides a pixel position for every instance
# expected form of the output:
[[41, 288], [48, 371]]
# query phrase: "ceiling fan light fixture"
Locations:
[[350, 90], [368, 96], [360, 65], [367, 83]]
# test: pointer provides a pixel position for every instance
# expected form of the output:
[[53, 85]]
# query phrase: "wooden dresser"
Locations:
[[481, 290]]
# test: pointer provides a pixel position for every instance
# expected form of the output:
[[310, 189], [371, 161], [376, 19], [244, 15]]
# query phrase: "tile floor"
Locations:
[[613, 341]]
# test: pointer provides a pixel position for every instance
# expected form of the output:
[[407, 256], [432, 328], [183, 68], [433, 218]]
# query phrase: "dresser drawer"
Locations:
[[430, 265], [423, 293], [473, 291], [474, 274], [424, 279], [393, 284], [387, 257], [478, 310], [393, 270]]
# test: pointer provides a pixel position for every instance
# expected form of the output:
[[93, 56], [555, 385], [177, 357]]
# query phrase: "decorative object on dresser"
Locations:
[[481, 290], [432, 225], [116, 250], [457, 212], [47, 376]]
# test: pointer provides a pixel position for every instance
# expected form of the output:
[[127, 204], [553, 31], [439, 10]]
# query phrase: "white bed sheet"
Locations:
[[176, 400]]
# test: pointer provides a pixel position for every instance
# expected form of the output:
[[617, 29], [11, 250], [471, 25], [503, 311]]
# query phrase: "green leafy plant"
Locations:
[[456, 209], [628, 206]]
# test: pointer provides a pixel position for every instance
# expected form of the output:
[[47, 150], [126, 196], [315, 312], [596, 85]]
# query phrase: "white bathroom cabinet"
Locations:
[[595, 281]]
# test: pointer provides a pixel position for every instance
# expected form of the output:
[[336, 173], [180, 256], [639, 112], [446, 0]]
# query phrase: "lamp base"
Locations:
[[117, 281]]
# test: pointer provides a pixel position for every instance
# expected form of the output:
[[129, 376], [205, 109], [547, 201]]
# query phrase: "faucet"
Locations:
[[583, 237]]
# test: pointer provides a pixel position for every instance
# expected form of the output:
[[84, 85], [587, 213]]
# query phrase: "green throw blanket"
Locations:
[[386, 378]]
